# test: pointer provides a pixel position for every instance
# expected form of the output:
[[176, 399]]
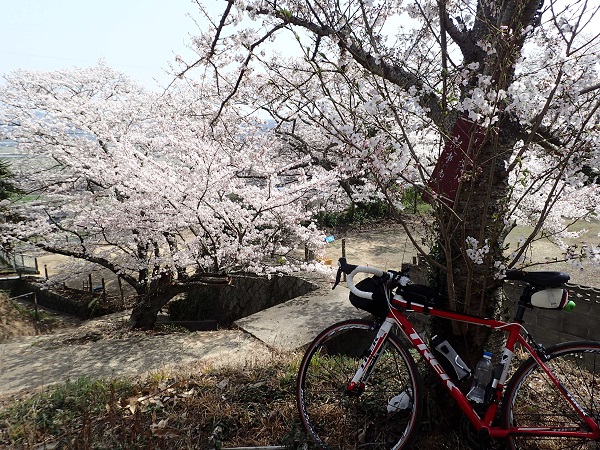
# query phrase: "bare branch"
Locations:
[[216, 39], [589, 89], [243, 71]]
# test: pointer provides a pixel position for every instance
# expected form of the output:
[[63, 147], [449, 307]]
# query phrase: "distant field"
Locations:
[[8, 150]]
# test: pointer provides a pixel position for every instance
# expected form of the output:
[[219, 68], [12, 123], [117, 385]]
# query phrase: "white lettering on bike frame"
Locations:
[[505, 361]]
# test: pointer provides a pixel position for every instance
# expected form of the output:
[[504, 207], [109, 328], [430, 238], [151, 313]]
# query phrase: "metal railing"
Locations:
[[19, 263]]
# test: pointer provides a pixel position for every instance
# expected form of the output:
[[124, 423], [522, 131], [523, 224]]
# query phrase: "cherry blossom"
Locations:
[[143, 185], [376, 90]]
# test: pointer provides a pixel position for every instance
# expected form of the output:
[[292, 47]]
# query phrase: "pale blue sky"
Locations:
[[138, 37]]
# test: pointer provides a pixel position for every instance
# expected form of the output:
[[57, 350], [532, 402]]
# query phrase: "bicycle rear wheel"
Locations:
[[532, 401], [383, 416]]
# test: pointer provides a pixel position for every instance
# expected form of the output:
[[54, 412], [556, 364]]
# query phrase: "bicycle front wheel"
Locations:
[[532, 401], [383, 416]]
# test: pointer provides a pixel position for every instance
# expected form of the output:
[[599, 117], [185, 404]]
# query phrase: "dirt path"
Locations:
[[17, 319], [544, 251], [104, 348], [389, 247]]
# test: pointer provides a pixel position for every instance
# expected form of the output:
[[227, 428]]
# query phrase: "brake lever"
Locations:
[[343, 267], [400, 278], [338, 278]]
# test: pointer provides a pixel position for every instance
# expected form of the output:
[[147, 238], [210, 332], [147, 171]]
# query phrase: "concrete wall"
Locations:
[[80, 304], [550, 326], [247, 295]]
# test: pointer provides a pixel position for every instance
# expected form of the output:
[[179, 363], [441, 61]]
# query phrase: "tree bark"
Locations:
[[152, 296], [145, 312], [480, 204]]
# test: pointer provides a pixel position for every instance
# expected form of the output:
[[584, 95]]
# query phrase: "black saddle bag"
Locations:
[[378, 306], [419, 293]]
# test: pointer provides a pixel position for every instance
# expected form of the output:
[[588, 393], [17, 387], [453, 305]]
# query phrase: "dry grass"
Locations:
[[19, 319], [186, 408], [190, 408], [178, 410]]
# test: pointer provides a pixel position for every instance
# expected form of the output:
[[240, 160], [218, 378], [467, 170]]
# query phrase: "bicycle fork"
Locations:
[[357, 384]]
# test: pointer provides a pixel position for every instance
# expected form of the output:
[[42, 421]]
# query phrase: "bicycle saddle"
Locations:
[[539, 279]]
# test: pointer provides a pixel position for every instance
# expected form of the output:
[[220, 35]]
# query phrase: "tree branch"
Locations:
[[215, 41], [393, 73], [589, 89], [114, 268], [243, 71]]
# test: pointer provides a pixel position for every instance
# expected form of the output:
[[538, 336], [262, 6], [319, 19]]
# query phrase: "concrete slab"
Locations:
[[295, 323]]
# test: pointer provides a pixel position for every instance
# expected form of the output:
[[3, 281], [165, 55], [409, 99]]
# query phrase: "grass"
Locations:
[[189, 408], [364, 213], [206, 409], [30, 313]]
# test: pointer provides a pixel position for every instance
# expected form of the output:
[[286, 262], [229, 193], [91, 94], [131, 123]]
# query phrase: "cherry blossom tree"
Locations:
[[490, 108], [8, 192], [144, 186]]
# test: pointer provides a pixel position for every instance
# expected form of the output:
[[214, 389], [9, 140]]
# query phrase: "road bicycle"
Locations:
[[359, 386]]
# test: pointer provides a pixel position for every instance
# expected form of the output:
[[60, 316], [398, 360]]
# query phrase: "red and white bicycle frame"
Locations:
[[485, 422]]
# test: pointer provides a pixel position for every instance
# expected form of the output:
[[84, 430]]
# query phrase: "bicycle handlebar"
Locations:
[[363, 269], [350, 270]]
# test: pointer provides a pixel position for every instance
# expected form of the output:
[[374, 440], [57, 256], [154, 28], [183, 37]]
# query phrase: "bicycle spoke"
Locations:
[[533, 401], [338, 420]]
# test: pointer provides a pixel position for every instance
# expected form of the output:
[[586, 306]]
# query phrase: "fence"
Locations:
[[19, 263], [76, 302]]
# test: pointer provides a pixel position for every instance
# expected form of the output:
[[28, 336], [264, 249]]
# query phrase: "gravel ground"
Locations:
[[105, 348], [389, 247]]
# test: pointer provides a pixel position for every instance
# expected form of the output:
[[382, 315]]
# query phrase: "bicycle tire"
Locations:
[[530, 399], [335, 420]]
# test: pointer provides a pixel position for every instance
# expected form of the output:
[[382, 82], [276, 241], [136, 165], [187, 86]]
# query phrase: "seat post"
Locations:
[[523, 304]]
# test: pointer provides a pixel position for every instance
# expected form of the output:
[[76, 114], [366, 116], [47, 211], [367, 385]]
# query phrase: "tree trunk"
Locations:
[[152, 298], [145, 312], [472, 288], [480, 204]]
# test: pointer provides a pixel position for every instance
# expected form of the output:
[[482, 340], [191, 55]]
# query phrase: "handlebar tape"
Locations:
[[351, 270]]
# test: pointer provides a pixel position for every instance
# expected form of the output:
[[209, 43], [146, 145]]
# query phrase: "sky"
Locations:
[[137, 37]]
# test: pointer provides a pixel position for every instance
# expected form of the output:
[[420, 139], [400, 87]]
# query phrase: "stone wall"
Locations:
[[82, 305], [551, 326], [247, 295], [250, 294]]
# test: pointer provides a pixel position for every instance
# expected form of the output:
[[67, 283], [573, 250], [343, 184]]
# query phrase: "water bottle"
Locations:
[[483, 376]]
